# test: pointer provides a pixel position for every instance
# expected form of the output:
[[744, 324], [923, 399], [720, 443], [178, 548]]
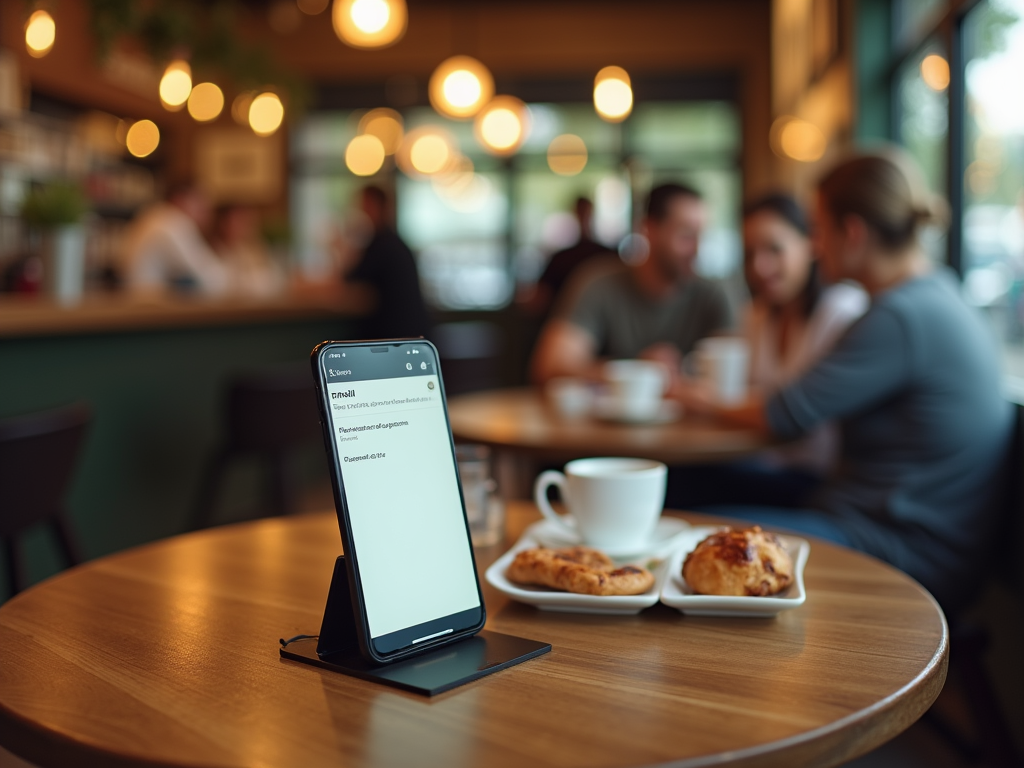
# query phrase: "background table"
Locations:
[[519, 420], [167, 655]]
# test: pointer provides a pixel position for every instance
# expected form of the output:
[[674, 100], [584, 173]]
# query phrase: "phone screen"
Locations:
[[401, 489]]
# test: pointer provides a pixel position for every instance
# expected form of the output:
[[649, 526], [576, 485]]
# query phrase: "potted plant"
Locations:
[[56, 211]]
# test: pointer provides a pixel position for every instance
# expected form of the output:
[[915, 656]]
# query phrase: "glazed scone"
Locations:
[[741, 563], [582, 570]]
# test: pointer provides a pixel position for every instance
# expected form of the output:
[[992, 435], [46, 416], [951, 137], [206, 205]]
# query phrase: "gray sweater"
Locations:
[[915, 386]]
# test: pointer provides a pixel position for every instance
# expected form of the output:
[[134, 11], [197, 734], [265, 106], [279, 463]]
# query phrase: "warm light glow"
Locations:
[[613, 94], [502, 125], [801, 140], [364, 155], [460, 86], [935, 72], [240, 107], [312, 7], [567, 154], [176, 85], [205, 102], [386, 125], [429, 154], [369, 23], [143, 138], [266, 114], [121, 132], [40, 32]]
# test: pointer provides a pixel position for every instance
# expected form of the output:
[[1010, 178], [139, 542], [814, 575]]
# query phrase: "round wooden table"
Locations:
[[167, 655], [519, 420]]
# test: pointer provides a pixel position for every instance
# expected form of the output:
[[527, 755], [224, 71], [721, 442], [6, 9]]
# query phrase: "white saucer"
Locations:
[[608, 408], [667, 535], [677, 593]]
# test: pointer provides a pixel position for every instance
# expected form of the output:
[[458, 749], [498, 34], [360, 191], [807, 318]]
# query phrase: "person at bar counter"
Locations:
[[165, 250], [237, 240], [915, 384], [388, 268], [657, 309], [564, 263], [794, 319]]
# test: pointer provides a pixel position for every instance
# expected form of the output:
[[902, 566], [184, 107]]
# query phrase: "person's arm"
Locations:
[[564, 349]]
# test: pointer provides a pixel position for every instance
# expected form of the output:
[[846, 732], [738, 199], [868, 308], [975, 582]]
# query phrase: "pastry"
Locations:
[[742, 563], [581, 570]]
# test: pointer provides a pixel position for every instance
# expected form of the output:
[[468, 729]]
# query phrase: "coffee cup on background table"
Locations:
[[722, 363], [636, 386], [614, 502]]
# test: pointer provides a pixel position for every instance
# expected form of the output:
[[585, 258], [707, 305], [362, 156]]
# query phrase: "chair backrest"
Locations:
[[1010, 531], [38, 455], [272, 411]]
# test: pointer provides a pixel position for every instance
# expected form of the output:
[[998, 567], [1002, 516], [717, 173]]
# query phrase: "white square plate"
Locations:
[[677, 593]]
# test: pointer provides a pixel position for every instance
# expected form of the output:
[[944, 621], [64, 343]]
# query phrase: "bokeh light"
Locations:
[[40, 34], [313, 7], [613, 94], [935, 72], [143, 138], [369, 23], [364, 155], [176, 85], [460, 87], [799, 139], [266, 114], [426, 151], [240, 107], [206, 102], [567, 154], [386, 125], [501, 127]]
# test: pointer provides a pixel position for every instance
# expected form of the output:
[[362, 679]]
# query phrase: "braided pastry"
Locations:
[[581, 570]]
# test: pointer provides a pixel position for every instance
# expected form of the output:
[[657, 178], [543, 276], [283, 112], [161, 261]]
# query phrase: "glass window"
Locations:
[[993, 223]]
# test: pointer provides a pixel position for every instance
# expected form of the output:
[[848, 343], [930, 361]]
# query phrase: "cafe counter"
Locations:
[[154, 373]]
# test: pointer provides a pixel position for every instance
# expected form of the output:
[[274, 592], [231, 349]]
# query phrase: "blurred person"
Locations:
[[657, 309], [388, 268], [914, 383], [792, 322], [238, 241], [564, 263], [165, 249]]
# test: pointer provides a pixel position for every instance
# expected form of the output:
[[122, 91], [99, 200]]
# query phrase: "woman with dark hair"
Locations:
[[915, 384]]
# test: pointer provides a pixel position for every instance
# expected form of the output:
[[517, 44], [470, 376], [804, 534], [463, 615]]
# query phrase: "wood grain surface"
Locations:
[[168, 655], [520, 420]]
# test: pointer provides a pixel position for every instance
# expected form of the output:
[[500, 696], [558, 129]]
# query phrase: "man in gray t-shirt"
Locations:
[[657, 309]]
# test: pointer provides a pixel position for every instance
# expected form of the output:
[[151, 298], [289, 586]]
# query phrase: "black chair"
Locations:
[[991, 740], [268, 416], [38, 455]]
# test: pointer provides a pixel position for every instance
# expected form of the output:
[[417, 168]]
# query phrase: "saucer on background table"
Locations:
[[569, 602], [677, 593], [607, 408], [669, 533]]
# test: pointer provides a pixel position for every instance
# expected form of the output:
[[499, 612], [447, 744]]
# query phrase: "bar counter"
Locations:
[[154, 373]]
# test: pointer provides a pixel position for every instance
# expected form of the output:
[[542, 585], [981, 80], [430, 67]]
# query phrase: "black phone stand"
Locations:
[[428, 673]]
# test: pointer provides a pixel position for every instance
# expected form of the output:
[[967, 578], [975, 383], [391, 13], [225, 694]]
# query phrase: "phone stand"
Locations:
[[428, 673]]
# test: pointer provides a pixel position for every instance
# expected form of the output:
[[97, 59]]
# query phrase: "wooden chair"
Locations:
[[267, 415], [38, 456]]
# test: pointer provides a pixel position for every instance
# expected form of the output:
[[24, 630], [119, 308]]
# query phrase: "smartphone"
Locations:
[[408, 552]]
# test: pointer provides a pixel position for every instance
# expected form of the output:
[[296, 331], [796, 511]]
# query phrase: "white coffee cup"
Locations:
[[571, 398], [636, 386], [723, 362], [613, 502]]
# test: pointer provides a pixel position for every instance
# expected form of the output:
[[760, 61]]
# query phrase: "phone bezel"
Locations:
[[366, 644]]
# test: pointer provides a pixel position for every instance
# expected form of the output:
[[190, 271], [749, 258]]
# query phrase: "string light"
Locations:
[[364, 155], [142, 138], [567, 154], [502, 125], [613, 94], [266, 113], [40, 33], [460, 86], [369, 23], [176, 85], [206, 102]]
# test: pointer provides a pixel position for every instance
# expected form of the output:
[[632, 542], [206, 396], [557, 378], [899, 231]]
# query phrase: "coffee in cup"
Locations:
[[636, 386], [614, 502]]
